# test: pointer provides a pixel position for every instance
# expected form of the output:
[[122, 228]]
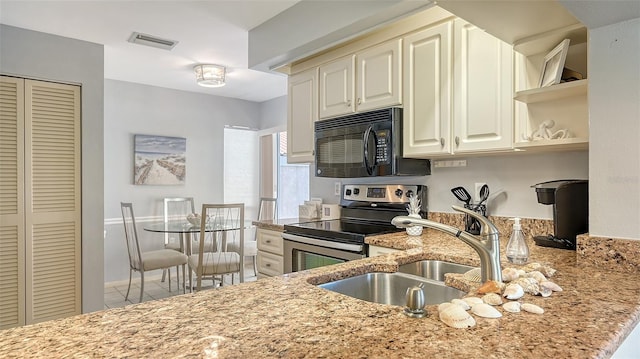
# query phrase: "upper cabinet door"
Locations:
[[427, 91], [302, 114], [482, 91], [336, 87], [378, 76]]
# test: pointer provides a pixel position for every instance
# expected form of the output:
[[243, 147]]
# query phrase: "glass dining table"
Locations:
[[185, 230]]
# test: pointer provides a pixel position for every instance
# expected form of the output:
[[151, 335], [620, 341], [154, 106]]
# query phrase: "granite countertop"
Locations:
[[278, 224], [288, 316]]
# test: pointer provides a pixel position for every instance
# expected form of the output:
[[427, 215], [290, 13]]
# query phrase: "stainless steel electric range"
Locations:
[[366, 210]]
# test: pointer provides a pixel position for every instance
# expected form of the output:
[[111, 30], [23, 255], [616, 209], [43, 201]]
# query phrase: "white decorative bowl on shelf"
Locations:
[[194, 219]]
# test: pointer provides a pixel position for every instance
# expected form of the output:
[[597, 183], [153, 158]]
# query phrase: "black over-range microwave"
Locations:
[[364, 145]]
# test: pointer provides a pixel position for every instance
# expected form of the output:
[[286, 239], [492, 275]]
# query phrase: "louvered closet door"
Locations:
[[52, 200], [12, 284]]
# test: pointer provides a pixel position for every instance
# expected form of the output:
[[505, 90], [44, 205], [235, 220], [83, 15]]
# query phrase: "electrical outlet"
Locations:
[[449, 163], [337, 189], [477, 193]]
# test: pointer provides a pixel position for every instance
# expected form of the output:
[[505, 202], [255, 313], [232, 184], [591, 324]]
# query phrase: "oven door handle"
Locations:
[[323, 243]]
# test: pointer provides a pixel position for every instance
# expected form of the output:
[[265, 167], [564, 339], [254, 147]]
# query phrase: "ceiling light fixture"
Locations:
[[209, 75]]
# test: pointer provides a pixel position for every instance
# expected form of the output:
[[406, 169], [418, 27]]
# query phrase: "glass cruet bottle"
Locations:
[[517, 250]]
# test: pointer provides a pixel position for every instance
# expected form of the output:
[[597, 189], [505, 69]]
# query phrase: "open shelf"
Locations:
[[554, 92], [545, 42], [575, 143]]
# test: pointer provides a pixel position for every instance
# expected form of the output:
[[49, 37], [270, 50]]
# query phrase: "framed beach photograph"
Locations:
[[553, 65], [159, 160]]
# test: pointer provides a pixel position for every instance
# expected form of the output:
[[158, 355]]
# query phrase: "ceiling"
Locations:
[[213, 31], [209, 31]]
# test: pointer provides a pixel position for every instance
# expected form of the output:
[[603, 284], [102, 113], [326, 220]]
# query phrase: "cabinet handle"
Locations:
[[268, 265], [268, 241], [349, 103], [442, 141], [457, 141], [359, 100]]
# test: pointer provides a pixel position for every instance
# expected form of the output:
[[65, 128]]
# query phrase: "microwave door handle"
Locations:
[[367, 134]]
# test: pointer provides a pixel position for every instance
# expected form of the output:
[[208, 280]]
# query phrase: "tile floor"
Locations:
[[154, 289]]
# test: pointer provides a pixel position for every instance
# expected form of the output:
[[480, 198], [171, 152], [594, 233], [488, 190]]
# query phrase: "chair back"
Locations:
[[267, 209], [131, 235], [176, 208], [225, 224]]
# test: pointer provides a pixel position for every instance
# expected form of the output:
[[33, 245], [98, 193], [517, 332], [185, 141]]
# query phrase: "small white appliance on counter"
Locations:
[[330, 211]]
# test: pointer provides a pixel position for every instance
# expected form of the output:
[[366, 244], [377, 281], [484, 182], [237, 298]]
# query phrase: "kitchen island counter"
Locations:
[[288, 316]]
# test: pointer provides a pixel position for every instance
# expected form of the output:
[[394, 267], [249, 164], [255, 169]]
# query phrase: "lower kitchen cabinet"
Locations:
[[375, 251], [270, 252]]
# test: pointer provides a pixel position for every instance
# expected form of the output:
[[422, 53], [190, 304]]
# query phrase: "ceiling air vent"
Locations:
[[153, 41]]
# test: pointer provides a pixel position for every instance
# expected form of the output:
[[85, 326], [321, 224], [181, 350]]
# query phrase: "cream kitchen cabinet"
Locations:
[[302, 113], [482, 91], [427, 92], [337, 80], [458, 90], [375, 251], [364, 81], [270, 252], [565, 104]]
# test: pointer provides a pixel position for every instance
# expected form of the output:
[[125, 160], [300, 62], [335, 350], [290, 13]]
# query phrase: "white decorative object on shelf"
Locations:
[[554, 64], [414, 211], [544, 132], [195, 219]]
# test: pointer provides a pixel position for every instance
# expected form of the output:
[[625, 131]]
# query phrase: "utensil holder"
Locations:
[[471, 224]]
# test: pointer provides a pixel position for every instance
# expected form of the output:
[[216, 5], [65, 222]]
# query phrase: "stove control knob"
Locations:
[[356, 191], [399, 193], [348, 192], [409, 193]]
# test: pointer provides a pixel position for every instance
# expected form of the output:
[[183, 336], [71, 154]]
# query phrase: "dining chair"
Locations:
[[267, 210], [150, 260], [226, 224], [175, 208]]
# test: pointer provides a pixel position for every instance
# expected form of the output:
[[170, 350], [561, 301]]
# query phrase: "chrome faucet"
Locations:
[[487, 243]]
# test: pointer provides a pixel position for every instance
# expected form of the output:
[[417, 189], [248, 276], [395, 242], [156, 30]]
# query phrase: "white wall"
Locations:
[[273, 113], [509, 178], [614, 107], [38, 55], [140, 109]]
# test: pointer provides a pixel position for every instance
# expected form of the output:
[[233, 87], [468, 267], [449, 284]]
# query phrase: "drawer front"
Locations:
[[270, 264], [270, 241], [375, 251]]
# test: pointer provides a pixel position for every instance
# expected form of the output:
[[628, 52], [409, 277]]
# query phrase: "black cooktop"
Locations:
[[340, 230]]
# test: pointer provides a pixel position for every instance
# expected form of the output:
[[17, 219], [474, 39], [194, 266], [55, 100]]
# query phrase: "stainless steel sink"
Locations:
[[433, 269], [391, 288]]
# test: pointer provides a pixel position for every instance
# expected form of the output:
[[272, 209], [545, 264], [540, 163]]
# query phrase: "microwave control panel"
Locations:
[[383, 146]]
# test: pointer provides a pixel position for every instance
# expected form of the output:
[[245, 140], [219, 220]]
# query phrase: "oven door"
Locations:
[[301, 253]]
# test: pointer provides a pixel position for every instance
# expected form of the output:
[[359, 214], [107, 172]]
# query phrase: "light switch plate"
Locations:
[[337, 190]]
